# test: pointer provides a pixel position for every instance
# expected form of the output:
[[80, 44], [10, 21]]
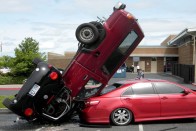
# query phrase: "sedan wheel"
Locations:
[[121, 116]]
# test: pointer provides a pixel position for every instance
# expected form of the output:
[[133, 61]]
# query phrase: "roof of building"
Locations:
[[165, 42], [69, 54], [52, 55], [155, 51], [183, 34]]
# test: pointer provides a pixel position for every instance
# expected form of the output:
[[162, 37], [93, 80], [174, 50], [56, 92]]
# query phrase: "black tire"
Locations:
[[100, 28], [87, 33], [121, 117]]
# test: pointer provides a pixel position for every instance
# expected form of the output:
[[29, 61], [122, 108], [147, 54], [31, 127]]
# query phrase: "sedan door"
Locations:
[[174, 102], [143, 100]]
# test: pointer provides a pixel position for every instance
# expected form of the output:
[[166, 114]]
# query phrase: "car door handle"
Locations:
[[127, 99], [164, 98]]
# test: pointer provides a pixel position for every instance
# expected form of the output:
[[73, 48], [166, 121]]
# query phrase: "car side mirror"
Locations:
[[186, 92]]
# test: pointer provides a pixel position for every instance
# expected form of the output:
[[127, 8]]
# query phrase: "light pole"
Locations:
[[1, 48]]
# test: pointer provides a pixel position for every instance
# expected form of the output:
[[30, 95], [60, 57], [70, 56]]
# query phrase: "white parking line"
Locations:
[[141, 127], [39, 129]]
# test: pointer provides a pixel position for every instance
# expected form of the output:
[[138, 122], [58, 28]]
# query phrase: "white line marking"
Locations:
[[39, 129], [141, 127]]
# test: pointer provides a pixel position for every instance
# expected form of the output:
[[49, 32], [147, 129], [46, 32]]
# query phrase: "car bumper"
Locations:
[[91, 115], [16, 108]]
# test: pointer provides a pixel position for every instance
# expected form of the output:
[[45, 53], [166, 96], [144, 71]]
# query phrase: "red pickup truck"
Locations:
[[103, 48]]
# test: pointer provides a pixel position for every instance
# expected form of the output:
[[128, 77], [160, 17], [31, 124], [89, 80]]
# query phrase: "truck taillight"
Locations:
[[91, 103], [53, 75], [28, 112]]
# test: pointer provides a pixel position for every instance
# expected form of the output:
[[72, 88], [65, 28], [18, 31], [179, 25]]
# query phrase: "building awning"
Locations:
[[154, 55], [185, 33]]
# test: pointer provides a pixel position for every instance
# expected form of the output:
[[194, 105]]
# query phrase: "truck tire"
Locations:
[[87, 33]]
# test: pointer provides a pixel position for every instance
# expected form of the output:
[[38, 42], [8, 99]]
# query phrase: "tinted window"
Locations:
[[129, 91], [128, 41], [110, 88], [167, 88], [142, 88], [119, 53]]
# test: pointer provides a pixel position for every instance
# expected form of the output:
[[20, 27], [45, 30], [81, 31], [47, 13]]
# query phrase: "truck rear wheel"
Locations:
[[87, 33]]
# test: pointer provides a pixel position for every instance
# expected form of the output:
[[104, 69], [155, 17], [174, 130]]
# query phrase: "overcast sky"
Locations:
[[53, 22]]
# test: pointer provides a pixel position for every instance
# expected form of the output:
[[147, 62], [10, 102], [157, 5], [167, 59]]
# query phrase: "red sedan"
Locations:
[[140, 100]]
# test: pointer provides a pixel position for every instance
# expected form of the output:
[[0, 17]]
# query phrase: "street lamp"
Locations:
[[1, 48]]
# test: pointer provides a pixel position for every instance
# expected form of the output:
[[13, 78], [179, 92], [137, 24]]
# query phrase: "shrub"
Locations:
[[7, 79]]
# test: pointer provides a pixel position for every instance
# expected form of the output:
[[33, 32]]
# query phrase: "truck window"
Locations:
[[119, 53]]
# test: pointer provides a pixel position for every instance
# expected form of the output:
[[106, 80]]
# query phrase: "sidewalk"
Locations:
[[5, 111], [11, 86], [8, 87]]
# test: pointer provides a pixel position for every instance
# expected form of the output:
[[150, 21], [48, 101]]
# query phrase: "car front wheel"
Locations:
[[121, 117]]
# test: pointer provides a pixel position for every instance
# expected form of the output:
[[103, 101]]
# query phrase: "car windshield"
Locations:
[[110, 88], [90, 89]]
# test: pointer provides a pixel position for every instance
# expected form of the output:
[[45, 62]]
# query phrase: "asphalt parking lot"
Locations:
[[7, 119]]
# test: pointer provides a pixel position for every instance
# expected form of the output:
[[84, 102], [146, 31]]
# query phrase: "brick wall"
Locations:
[[147, 63], [129, 61], [59, 63], [185, 54], [160, 64], [156, 51]]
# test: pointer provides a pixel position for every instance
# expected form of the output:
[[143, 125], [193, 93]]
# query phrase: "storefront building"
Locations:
[[186, 43], [175, 50], [150, 58], [153, 58]]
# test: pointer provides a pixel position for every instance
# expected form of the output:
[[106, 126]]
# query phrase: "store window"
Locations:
[[153, 59]]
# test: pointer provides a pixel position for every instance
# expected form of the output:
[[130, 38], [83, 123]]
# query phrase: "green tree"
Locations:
[[6, 61], [27, 51]]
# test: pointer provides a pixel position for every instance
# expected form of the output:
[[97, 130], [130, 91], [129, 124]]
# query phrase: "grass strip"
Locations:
[[2, 97]]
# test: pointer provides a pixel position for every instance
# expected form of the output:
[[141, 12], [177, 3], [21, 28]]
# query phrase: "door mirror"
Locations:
[[186, 92]]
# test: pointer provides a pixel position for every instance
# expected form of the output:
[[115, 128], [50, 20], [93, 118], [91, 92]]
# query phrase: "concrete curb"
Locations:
[[5, 111]]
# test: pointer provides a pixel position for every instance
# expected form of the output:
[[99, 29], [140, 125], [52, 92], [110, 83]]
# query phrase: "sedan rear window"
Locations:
[[142, 88]]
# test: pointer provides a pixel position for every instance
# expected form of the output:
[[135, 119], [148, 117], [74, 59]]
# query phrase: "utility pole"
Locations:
[[1, 48]]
